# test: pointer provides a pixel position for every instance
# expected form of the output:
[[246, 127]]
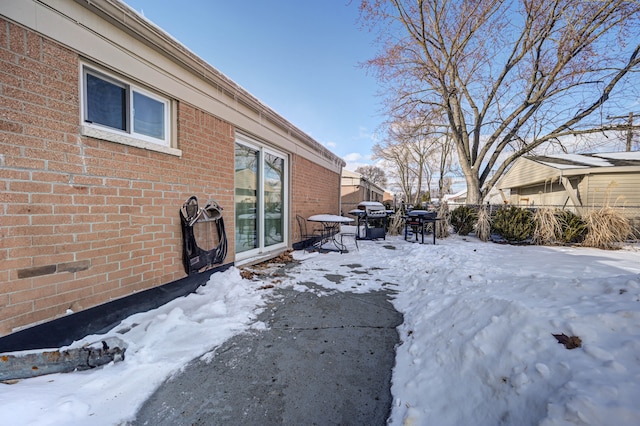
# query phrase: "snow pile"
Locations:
[[477, 340], [160, 342]]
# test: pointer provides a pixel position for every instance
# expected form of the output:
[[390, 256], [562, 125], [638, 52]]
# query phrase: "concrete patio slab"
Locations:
[[322, 360]]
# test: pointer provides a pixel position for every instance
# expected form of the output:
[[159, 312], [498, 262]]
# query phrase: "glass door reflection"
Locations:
[[246, 197], [273, 196]]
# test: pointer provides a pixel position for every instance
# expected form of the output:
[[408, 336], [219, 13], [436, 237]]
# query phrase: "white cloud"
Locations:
[[365, 134], [355, 160], [353, 166], [352, 157]]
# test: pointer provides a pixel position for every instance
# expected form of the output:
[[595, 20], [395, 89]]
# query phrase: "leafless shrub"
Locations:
[[483, 225], [547, 227], [396, 224], [606, 227]]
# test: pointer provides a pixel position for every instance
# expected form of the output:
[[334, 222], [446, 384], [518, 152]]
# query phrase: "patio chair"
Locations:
[[348, 233], [309, 238]]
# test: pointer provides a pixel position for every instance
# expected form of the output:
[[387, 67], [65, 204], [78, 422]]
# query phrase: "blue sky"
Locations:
[[300, 57]]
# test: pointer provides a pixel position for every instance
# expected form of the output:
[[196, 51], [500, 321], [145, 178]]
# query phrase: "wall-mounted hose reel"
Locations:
[[195, 258]]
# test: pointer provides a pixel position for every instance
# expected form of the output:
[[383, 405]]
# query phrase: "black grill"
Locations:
[[372, 220]]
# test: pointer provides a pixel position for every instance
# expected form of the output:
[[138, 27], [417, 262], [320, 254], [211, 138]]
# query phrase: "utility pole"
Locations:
[[629, 129]]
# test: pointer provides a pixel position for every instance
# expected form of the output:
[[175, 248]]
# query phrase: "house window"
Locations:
[[261, 200], [115, 105]]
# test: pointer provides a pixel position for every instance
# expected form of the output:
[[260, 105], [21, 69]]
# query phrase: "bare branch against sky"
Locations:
[[510, 76]]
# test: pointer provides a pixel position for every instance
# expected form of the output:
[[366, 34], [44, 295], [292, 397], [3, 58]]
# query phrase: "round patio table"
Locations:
[[330, 228]]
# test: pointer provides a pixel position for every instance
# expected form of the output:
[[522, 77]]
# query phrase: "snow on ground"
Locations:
[[477, 345], [160, 342]]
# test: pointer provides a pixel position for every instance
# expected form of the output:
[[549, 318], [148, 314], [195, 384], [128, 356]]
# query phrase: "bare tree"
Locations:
[[397, 158], [510, 76], [373, 174], [416, 152]]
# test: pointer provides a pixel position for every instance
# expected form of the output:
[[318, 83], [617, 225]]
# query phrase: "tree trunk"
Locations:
[[474, 197]]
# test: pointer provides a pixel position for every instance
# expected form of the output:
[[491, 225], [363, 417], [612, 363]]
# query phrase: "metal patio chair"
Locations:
[[309, 238]]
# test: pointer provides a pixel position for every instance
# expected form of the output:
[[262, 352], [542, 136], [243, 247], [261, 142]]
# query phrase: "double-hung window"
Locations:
[[114, 105]]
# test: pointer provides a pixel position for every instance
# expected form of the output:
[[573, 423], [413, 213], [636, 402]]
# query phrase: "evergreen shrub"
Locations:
[[514, 224], [574, 228], [463, 220]]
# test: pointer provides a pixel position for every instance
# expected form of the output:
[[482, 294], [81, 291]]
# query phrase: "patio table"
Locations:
[[330, 228], [417, 221]]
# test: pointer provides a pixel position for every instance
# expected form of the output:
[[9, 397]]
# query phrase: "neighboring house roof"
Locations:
[[354, 178], [458, 196], [349, 174], [606, 159], [494, 197], [535, 169]]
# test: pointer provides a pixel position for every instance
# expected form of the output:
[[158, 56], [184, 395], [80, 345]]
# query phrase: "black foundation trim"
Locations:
[[102, 318]]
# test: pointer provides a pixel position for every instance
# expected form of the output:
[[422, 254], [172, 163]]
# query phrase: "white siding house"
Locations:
[[576, 181]]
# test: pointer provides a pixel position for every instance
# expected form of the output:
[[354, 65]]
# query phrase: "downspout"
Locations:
[[340, 191]]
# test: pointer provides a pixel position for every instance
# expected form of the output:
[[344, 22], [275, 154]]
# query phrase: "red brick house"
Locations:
[[107, 126]]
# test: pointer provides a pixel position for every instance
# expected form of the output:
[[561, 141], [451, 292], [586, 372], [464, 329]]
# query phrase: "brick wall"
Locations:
[[85, 221], [315, 190]]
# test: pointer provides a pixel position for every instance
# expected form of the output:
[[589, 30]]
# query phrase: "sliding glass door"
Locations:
[[273, 194], [260, 199], [247, 160]]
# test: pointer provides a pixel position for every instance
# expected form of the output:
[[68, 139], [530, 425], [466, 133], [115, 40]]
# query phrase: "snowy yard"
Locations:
[[477, 339]]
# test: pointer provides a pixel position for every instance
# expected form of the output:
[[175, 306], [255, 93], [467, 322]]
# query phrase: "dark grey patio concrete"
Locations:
[[324, 360]]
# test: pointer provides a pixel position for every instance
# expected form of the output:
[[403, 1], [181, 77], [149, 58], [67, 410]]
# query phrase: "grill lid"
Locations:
[[370, 206], [371, 209], [377, 213]]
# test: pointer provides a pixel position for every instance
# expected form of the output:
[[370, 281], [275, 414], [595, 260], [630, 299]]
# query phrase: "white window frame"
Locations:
[[127, 136]]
